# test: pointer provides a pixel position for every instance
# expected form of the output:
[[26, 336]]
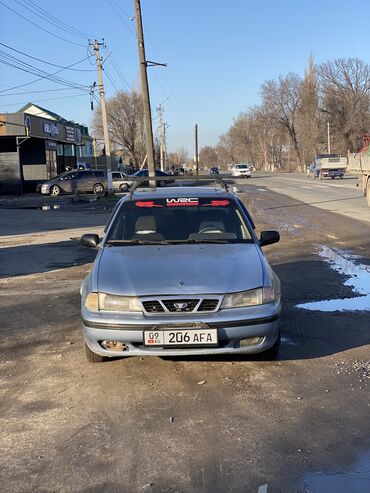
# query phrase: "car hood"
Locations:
[[179, 269]]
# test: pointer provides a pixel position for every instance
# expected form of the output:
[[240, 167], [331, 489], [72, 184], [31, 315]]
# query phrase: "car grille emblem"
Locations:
[[180, 306], [181, 283]]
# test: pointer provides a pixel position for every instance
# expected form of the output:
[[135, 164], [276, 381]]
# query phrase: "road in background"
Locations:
[[156, 425]]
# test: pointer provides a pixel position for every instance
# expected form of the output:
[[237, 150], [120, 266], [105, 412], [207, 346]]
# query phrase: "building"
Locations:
[[37, 144]]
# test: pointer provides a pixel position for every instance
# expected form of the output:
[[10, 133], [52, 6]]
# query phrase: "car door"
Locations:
[[68, 183], [85, 181], [116, 179]]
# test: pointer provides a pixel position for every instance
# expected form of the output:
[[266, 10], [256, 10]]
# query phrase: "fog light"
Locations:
[[251, 341], [114, 345]]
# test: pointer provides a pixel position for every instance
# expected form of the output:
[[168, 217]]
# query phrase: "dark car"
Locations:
[[76, 181], [158, 172], [214, 171]]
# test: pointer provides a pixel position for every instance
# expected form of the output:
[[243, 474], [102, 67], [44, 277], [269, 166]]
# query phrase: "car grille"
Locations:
[[208, 305], [181, 305], [153, 306]]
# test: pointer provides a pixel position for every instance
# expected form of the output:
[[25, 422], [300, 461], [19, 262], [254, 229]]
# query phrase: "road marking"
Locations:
[[263, 488]]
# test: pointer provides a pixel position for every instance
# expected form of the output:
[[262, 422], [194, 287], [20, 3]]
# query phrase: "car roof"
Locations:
[[178, 192]]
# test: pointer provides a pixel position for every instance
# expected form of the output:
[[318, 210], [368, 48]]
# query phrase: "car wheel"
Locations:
[[124, 187], [162, 183], [93, 357], [55, 190], [273, 351], [98, 188]]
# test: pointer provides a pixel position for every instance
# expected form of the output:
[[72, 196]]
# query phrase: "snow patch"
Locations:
[[358, 279]]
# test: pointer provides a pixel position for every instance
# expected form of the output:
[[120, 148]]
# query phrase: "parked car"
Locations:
[[214, 171], [242, 170], [120, 181], [75, 181], [180, 272], [144, 172]]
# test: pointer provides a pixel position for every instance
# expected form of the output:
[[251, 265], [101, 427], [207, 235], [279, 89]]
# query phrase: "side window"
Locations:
[[246, 212], [85, 174], [99, 174], [116, 176]]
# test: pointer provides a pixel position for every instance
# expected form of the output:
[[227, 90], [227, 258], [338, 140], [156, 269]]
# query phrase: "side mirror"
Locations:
[[90, 240], [269, 237]]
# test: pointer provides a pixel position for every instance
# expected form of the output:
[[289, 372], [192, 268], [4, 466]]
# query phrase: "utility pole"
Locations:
[[196, 150], [328, 125], [145, 91], [96, 45], [162, 145]]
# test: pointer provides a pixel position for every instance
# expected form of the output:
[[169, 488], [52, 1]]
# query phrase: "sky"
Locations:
[[218, 54]]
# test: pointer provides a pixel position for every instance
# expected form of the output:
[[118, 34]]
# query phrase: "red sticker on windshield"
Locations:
[[147, 204], [217, 203]]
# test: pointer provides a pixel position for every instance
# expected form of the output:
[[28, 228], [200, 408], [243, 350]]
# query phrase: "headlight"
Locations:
[[109, 302], [252, 297]]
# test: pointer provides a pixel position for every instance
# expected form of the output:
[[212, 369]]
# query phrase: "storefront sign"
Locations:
[[70, 134], [51, 128], [51, 144]]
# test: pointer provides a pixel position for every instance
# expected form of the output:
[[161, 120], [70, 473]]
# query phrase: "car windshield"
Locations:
[[242, 166], [179, 220]]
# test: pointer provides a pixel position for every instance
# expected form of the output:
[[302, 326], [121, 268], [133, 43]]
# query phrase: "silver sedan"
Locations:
[[180, 271]]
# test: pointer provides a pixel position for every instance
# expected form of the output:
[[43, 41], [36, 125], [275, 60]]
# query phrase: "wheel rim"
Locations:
[[124, 188], [54, 190], [98, 188]]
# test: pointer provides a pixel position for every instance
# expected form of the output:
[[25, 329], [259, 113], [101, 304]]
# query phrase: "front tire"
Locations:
[[124, 187], [93, 357], [98, 188], [162, 183], [55, 190]]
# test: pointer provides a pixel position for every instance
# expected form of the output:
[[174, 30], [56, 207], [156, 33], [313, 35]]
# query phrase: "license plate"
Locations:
[[181, 337]]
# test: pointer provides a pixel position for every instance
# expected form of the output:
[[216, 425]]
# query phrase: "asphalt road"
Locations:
[[298, 424]]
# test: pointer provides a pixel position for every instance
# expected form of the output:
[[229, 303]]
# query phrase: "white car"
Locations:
[[242, 170]]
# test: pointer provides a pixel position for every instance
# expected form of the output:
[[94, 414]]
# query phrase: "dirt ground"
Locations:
[[147, 424]]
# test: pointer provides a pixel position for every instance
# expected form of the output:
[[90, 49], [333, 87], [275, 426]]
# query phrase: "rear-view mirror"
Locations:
[[269, 237], [90, 240]]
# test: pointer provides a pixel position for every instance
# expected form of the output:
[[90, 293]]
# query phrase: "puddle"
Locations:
[[355, 480], [358, 279]]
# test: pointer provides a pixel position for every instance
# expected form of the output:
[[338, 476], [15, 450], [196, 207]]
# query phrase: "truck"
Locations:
[[328, 165], [359, 163]]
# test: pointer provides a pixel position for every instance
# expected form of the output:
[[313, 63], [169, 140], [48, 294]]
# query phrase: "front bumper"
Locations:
[[261, 321]]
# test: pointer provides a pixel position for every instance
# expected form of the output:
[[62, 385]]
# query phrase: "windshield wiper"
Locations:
[[136, 242], [210, 240]]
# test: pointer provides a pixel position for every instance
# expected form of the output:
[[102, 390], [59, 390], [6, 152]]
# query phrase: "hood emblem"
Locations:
[[181, 283], [180, 306]]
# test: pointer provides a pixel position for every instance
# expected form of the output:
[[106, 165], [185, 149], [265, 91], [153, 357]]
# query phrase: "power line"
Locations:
[[44, 61], [26, 67], [47, 76], [51, 17], [115, 8], [40, 27], [110, 80], [120, 74], [35, 92], [42, 100]]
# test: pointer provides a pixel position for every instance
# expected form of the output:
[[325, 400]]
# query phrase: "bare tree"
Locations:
[[345, 100], [125, 125], [208, 156], [283, 97], [308, 115], [178, 158]]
